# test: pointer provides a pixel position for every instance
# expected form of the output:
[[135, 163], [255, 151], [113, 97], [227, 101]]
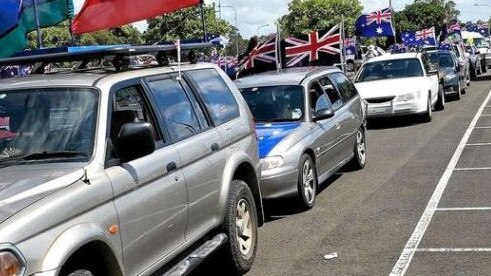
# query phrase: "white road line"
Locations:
[[485, 115], [407, 254], [473, 169], [479, 144], [483, 249], [482, 127], [464, 209]]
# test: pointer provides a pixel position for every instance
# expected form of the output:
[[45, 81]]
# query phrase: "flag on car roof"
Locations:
[[409, 38], [97, 15], [317, 48], [483, 29], [454, 27], [375, 24], [260, 56], [350, 45], [419, 38], [17, 19]]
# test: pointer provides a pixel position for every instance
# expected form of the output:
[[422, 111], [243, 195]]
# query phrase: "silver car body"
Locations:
[[135, 216], [330, 142]]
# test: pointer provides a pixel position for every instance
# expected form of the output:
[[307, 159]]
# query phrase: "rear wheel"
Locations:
[[240, 225], [359, 160], [307, 181], [440, 104], [81, 272], [459, 92], [426, 117]]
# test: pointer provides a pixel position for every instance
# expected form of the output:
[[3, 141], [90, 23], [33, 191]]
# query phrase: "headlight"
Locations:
[[10, 264], [408, 97], [271, 162]]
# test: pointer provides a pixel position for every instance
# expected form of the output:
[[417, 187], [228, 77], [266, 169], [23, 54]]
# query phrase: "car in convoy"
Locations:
[[121, 172], [476, 39], [450, 72], [474, 57], [400, 84], [309, 123], [355, 60], [459, 51]]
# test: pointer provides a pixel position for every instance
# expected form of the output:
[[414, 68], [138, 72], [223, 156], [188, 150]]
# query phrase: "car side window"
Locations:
[[129, 106], [332, 94], [317, 97], [345, 86], [216, 95], [175, 107]]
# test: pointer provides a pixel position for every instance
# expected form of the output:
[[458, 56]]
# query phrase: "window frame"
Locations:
[[341, 89], [336, 89]]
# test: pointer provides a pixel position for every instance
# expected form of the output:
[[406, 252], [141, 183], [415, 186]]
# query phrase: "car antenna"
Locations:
[[177, 43]]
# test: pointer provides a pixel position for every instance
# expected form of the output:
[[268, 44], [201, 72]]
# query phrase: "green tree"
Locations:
[[185, 24], [307, 15], [425, 14]]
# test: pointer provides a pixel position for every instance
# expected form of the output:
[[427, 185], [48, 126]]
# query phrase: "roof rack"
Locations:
[[118, 54]]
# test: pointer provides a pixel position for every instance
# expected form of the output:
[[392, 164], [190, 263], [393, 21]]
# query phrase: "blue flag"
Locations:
[[419, 38], [9, 15], [375, 24], [483, 29], [350, 45], [409, 39]]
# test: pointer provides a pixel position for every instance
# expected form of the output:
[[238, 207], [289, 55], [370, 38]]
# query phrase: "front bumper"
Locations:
[[392, 108], [279, 182]]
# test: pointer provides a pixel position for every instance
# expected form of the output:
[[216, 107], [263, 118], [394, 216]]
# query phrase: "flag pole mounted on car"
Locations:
[[38, 25]]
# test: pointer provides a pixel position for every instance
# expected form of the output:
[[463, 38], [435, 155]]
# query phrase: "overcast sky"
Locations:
[[252, 15]]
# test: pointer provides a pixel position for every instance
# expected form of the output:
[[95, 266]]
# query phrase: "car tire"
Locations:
[[484, 68], [307, 182], [458, 96], [240, 225], [426, 117], [440, 104], [473, 73], [360, 159], [81, 272]]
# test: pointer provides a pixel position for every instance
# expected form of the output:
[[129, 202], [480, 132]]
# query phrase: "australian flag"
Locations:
[[445, 45], [409, 39], [317, 48], [375, 24], [350, 45], [483, 29], [419, 38], [398, 48], [454, 27]]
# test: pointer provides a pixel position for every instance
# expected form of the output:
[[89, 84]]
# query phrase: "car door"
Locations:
[[150, 192], [198, 146], [431, 74], [326, 133], [353, 110]]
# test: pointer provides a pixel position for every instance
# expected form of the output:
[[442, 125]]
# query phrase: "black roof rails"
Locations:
[[118, 53]]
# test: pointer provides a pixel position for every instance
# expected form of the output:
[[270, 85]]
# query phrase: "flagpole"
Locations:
[[279, 63], [203, 20], [343, 48], [38, 27]]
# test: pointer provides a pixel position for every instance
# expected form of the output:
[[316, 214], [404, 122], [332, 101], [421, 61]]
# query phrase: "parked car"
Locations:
[[400, 84], [119, 173], [450, 72], [459, 51], [474, 57], [309, 124], [482, 46]]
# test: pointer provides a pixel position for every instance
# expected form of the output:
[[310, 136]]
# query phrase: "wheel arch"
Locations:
[[78, 239]]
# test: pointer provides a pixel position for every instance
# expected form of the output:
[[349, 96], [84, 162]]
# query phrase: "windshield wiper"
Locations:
[[54, 154]]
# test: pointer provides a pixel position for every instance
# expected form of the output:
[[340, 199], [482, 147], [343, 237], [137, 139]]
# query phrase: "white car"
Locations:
[[399, 84]]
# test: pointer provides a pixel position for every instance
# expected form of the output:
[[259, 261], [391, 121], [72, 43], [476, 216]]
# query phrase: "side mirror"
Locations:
[[135, 140], [322, 114]]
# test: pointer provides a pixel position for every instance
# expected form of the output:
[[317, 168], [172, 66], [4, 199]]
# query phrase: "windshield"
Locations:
[[445, 61], [480, 42], [387, 69], [275, 103], [47, 124]]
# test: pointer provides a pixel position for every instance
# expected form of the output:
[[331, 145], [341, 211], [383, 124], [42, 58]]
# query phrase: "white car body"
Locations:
[[401, 95]]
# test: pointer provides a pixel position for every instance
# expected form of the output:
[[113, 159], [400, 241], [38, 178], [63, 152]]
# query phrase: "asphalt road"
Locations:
[[377, 220]]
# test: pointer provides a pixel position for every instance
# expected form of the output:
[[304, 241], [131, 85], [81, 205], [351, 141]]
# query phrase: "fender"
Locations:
[[233, 163], [71, 240]]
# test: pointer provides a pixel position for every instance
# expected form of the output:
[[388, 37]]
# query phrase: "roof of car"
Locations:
[[88, 78], [289, 76], [394, 57]]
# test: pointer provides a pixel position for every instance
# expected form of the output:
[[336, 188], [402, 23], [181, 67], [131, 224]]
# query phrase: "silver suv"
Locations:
[[117, 173]]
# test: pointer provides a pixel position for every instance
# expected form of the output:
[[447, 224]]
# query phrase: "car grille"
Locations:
[[380, 100]]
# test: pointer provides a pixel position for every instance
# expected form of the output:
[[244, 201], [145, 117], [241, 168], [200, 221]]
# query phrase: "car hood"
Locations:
[[21, 186], [270, 134], [389, 87]]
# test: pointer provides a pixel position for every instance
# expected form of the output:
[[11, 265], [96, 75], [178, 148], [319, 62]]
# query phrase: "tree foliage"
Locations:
[[423, 14], [307, 15], [60, 36]]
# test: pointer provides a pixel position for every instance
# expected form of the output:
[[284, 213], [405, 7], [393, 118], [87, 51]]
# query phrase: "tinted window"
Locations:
[[332, 94], [445, 61], [175, 107], [346, 87], [275, 103], [216, 95], [386, 69]]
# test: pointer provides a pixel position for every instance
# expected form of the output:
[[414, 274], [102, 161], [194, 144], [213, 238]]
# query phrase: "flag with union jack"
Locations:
[[350, 45], [317, 48], [375, 24], [454, 27], [483, 29], [260, 58], [419, 38]]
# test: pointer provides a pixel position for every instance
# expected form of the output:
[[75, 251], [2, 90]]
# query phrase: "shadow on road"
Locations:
[[487, 77], [393, 122], [276, 209]]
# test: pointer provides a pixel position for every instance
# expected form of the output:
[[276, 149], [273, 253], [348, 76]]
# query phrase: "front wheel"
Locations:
[[359, 160], [440, 104], [426, 117], [307, 181], [81, 272], [240, 225]]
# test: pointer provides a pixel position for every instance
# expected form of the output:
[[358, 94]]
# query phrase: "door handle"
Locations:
[[171, 166], [353, 117], [214, 147], [338, 126]]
